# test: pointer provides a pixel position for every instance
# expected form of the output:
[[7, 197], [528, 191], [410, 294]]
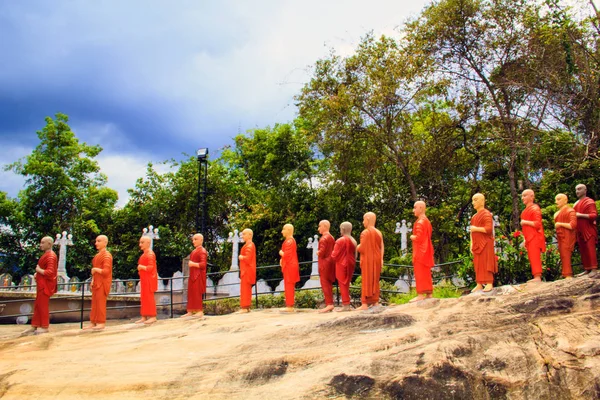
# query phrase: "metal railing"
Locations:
[[81, 293]]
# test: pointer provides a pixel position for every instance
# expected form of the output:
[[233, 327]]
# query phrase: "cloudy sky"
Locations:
[[150, 80]]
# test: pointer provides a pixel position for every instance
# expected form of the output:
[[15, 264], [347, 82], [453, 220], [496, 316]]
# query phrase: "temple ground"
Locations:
[[539, 342]]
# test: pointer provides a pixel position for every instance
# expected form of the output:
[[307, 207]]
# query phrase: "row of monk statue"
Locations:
[[337, 260]]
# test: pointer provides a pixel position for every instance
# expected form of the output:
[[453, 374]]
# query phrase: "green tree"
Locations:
[[64, 192]]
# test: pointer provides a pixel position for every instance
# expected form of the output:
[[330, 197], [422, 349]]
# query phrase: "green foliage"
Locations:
[[64, 192]]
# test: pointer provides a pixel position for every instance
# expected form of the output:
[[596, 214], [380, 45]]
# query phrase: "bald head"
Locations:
[[197, 240], [287, 231], [369, 219], [346, 228], [247, 235], [101, 242], [581, 191], [561, 200], [527, 196], [419, 208], [145, 243], [324, 226], [46, 243], [478, 201]]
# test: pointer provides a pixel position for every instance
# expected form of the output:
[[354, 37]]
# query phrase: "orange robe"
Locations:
[[247, 274], [327, 267], [566, 238], [535, 241], [423, 255], [371, 261], [197, 280], [149, 284], [101, 283], [344, 254], [484, 257], [290, 269], [46, 287], [587, 232]]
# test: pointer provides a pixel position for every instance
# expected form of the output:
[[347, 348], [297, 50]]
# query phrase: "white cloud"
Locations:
[[10, 182], [123, 170]]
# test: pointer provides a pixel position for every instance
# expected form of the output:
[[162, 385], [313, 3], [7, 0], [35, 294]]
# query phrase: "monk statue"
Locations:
[[533, 232], [148, 282], [247, 270], [326, 264], [422, 252], [289, 266], [482, 245], [344, 254], [587, 232], [371, 261], [197, 278], [565, 222], [45, 279], [102, 266]]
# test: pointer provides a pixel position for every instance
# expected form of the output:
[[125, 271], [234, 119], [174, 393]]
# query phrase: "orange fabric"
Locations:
[[149, 284], [371, 254], [327, 267], [484, 257], [247, 274], [423, 255], [344, 254], [290, 292], [535, 241], [41, 310], [45, 287], [101, 283], [566, 238], [587, 232], [47, 282], [290, 269], [197, 280]]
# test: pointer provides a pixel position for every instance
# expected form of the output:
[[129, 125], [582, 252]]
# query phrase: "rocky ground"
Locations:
[[540, 342]]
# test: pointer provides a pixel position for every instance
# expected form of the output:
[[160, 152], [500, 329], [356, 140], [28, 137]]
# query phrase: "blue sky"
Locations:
[[149, 80]]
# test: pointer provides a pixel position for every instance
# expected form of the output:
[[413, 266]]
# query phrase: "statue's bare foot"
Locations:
[[29, 330], [188, 314], [489, 287], [327, 309], [243, 311], [289, 309], [536, 279], [141, 320], [98, 327], [584, 273], [150, 321], [593, 273], [90, 326], [569, 277], [40, 331], [346, 307], [363, 307], [477, 288], [418, 298]]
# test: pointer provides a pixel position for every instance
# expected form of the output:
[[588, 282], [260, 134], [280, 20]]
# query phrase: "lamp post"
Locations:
[[202, 155]]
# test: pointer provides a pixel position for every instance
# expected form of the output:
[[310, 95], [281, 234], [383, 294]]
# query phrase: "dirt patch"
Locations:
[[352, 385], [266, 372], [364, 322]]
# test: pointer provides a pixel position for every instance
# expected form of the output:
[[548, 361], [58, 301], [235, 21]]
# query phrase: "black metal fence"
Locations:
[[81, 296]]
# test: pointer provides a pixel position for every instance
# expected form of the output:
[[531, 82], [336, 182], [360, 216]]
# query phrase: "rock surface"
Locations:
[[537, 342]]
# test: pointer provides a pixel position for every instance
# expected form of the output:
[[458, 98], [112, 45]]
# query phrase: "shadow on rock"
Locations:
[[267, 371], [362, 322], [352, 385]]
